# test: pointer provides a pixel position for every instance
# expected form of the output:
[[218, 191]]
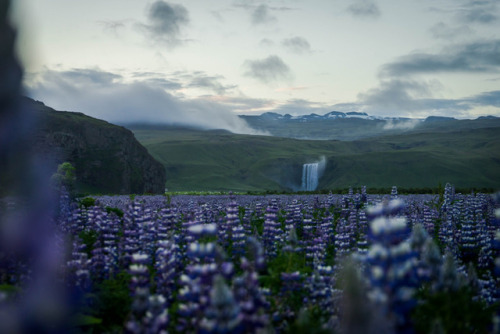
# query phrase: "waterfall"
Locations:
[[310, 176]]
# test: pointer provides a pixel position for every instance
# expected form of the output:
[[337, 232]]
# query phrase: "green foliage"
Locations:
[[112, 304], [82, 320], [285, 262], [65, 177], [116, 211], [9, 291], [9, 288], [457, 311], [330, 254], [258, 225], [309, 321], [87, 202], [88, 238], [169, 198]]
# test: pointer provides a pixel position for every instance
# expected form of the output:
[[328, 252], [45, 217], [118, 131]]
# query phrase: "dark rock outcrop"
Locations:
[[107, 157]]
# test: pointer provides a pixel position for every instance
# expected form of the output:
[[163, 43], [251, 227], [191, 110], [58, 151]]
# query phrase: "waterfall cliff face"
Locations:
[[310, 176]]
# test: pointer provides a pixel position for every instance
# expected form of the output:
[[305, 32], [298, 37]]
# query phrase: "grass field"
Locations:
[[222, 161]]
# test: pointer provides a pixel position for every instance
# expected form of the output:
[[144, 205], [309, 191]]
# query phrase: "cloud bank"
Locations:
[[108, 96], [480, 56], [402, 91]]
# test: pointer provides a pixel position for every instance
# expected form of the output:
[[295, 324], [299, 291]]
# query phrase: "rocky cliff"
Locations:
[[107, 157]]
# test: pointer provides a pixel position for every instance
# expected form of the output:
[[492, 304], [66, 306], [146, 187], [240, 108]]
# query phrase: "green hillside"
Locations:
[[219, 160]]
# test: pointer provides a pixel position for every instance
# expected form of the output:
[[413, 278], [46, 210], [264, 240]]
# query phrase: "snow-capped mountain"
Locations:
[[350, 125]]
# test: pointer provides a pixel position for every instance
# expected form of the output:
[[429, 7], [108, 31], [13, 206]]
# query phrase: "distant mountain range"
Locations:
[[338, 125], [351, 114]]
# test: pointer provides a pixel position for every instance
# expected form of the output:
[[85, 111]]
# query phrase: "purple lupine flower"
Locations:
[[78, 267], [394, 193], [469, 236], [109, 234], [223, 313], [343, 239], [448, 198], [139, 290], [321, 289], [164, 223], [239, 240], [247, 292], [271, 236], [194, 294], [362, 233], [291, 283], [157, 315], [428, 221], [236, 233], [129, 244], [246, 222], [168, 265], [391, 263]]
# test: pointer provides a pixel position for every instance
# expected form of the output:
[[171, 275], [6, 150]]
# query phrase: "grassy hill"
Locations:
[[219, 160]]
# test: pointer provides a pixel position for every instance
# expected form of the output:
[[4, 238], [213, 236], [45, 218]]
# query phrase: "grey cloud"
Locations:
[[165, 22], [163, 83], [247, 105], [268, 70], [211, 83], [262, 15], [479, 11], [443, 31], [200, 79], [297, 45], [266, 42], [83, 77], [396, 95], [157, 80], [364, 8], [486, 99], [185, 79], [482, 56], [123, 102]]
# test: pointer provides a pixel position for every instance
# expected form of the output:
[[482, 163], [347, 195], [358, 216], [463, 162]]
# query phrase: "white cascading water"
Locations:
[[310, 176]]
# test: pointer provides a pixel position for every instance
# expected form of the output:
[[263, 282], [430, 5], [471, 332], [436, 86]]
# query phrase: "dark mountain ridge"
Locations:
[[107, 157]]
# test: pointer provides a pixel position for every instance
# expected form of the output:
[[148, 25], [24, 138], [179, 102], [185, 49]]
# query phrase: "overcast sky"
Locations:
[[201, 62]]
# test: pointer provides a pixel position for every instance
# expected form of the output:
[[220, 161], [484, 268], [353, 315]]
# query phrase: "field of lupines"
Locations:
[[353, 263]]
